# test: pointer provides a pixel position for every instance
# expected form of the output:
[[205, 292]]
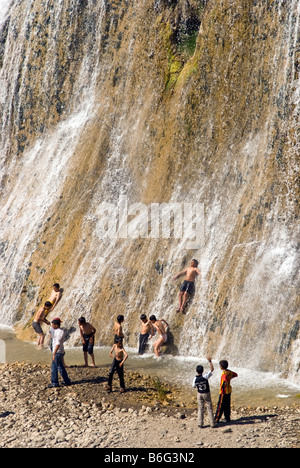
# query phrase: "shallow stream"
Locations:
[[252, 388]]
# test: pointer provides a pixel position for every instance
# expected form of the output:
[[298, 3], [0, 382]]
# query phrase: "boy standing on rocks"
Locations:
[[58, 352], [118, 364], [224, 404], [204, 396]]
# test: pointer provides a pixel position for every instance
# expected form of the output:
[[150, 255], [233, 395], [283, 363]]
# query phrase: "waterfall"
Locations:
[[191, 104]]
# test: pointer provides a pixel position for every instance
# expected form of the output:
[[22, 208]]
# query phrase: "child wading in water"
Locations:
[[146, 332], [160, 326], [118, 364], [118, 330]]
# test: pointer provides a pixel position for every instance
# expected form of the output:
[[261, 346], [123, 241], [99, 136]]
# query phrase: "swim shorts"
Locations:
[[87, 346], [188, 286], [37, 328], [143, 342]]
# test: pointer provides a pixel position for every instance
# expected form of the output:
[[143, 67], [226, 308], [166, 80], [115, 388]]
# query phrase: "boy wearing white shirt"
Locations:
[[203, 396], [58, 352]]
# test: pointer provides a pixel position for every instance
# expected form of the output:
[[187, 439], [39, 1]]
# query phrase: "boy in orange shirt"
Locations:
[[224, 404]]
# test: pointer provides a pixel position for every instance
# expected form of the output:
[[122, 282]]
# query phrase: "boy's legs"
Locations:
[[85, 354], [111, 374], [93, 359], [157, 345], [207, 399], [143, 343], [186, 290], [180, 300], [219, 411], [185, 300], [91, 353], [224, 406], [41, 340], [41, 336], [120, 371], [141, 350], [210, 409], [54, 373], [200, 409], [227, 407], [61, 368], [88, 348]]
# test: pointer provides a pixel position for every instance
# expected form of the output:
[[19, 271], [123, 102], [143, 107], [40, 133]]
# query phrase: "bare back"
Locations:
[[87, 328], [55, 297], [40, 315], [118, 330], [160, 327], [146, 328]]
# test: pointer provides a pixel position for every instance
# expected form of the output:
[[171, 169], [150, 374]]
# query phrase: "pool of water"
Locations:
[[251, 388]]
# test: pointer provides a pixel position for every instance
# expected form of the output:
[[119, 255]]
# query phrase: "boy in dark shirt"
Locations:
[[203, 395]]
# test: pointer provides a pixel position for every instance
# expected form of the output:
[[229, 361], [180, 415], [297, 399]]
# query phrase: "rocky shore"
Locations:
[[149, 415]]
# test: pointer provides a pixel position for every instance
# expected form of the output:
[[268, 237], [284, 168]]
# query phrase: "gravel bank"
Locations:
[[84, 415]]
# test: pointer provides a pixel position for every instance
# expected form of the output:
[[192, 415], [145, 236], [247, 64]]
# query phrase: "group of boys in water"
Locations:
[[148, 326], [118, 353]]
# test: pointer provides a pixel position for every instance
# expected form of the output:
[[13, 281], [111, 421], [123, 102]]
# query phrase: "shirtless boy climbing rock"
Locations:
[[55, 295], [39, 319], [188, 286]]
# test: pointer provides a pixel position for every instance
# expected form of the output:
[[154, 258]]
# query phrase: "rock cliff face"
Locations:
[[154, 101]]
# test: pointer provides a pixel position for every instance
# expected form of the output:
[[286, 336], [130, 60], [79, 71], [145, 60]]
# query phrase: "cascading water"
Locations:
[[154, 102]]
